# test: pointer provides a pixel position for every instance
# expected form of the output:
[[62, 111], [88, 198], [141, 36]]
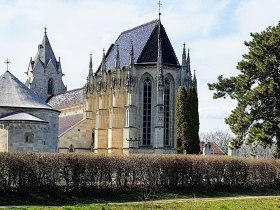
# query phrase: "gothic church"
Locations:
[[128, 104]]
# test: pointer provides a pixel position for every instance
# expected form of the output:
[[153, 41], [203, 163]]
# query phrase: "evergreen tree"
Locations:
[[181, 118], [194, 117], [256, 118], [187, 121]]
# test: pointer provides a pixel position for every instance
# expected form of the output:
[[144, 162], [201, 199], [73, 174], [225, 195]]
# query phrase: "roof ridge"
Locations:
[[140, 26]]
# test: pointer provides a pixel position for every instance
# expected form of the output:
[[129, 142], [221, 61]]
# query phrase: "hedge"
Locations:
[[84, 173]]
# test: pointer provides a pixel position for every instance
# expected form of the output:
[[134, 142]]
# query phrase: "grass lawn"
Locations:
[[175, 200], [245, 204]]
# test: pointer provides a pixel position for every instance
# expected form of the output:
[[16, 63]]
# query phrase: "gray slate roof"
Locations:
[[67, 99], [45, 53], [13, 93], [67, 122], [22, 116], [144, 38]]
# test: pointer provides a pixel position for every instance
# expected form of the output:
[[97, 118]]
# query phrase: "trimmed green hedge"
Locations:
[[83, 173]]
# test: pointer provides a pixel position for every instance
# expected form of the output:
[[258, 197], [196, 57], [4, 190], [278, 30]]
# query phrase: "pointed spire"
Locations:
[[194, 79], [90, 72], [184, 58], [131, 53], [159, 58], [188, 62], [103, 65], [117, 59]]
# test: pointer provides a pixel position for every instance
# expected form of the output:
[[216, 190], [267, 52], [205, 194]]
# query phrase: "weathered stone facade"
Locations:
[[131, 98], [128, 104], [45, 73]]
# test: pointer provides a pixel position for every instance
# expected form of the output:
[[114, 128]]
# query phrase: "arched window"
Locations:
[[50, 86], [147, 111], [29, 136], [71, 148], [166, 112]]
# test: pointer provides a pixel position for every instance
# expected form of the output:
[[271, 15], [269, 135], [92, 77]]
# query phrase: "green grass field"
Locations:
[[245, 204], [176, 200]]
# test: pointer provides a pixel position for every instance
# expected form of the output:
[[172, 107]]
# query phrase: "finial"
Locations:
[[45, 30], [90, 65], [117, 58], [7, 62], [159, 13], [184, 45], [131, 53], [103, 66]]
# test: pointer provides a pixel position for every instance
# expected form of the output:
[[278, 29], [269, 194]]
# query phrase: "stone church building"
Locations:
[[27, 123], [128, 104]]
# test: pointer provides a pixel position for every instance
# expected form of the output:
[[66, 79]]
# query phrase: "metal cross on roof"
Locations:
[[7, 62], [45, 30], [159, 4]]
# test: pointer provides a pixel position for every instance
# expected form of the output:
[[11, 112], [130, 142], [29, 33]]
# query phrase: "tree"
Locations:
[[256, 118], [181, 118], [193, 121], [187, 121]]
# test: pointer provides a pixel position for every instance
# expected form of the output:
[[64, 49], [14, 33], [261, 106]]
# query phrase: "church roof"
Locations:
[[13, 93], [145, 45], [67, 122], [22, 116], [67, 99], [45, 53]]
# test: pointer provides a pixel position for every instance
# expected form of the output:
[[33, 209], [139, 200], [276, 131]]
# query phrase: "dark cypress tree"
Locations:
[[188, 123], [181, 118], [194, 121]]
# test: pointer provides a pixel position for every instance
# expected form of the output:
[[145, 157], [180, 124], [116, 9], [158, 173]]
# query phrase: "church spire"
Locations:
[[117, 59]]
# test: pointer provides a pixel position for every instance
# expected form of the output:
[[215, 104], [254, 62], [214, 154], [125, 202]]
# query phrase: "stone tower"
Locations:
[[44, 72]]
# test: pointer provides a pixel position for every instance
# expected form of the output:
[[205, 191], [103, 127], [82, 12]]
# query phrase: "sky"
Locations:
[[213, 30]]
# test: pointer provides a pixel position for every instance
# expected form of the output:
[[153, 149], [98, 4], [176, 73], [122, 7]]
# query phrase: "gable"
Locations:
[[150, 51], [145, 46]]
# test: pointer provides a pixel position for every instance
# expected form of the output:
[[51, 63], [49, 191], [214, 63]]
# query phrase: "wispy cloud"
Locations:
[[213, 30]]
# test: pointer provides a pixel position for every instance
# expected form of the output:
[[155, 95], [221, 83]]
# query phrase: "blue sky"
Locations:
[[214, 30]]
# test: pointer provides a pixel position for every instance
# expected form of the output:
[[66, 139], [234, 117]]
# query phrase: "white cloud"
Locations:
[[214, 31]]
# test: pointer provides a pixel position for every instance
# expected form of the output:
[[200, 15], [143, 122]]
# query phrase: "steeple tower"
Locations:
[[44, 73]]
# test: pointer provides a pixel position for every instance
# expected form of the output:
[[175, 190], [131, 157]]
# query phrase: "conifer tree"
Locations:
[[194, 121], [187, 121], [256, 118], [181, 118]]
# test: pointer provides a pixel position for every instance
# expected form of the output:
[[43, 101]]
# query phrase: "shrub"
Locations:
[[76, 173]]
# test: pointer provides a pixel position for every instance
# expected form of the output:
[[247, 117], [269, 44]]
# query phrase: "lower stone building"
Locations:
[[27, 123]]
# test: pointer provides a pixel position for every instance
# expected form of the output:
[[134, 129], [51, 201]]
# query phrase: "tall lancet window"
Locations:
[[50, 86], [166, 112], [147, 111]]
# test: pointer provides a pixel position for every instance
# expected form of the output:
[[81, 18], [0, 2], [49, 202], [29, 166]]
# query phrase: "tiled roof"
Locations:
[[45, 53], [14, 93], [144, 38], [22, 116], [215, 149], [68, 121], [67, 99]]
